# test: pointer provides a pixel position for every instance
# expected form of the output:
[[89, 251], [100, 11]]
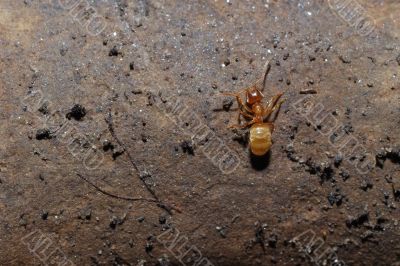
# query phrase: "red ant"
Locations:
[[257, 113]]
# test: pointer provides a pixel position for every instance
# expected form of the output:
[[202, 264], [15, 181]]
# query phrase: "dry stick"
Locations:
[[113, 195], [160, 204], [114, 135]]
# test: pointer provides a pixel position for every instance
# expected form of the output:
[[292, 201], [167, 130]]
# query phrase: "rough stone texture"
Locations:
[[153, 50]]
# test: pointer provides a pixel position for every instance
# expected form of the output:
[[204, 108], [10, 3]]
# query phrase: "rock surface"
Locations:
[[146, 75]]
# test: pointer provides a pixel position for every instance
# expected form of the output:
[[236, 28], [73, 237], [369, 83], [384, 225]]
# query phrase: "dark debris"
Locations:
[[358, 220], [227, 104], [42, 134], [77, 112], [187, 147]]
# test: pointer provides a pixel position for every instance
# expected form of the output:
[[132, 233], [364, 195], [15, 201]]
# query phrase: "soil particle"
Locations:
[[117, 152], [44, 215], [63, 51], [114, 52], [144, 138], [114, 221], [44, 108], [380, 221], [366, 184], [347, 112], [308, 91], [335, 197], [137, 91], [276, 40], [386, 197], [107, 145], [380, 158], [77, 112], [221, 230], [149, 245], [272, 240], [227, 62], [309, 141], [164, 261], [187, 147], [259, 236], [396, 192], [146, 177], [242, 137], [358, 220], [293, 131], [150, 99], [23, 221], [393, 154], [285, 56], [85, 214], [227, 104], [345, 59], [338, 160], [366, 235], [323, 170], [131, 243], [162, 219], [389, 179], [348, 128], [290, 153], [344, 174], [118, 260], [43, 133]]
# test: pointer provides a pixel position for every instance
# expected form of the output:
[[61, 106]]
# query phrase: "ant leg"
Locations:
[[239, 101], [267, 69], [245, 114], [238, 118], [270, 106], [277, 107], [242, 126]]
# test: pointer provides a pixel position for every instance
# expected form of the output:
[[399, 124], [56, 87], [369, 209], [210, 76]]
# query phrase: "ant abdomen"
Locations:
[[260, 138]]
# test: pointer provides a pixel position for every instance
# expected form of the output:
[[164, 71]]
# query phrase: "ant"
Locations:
[[253, 110]]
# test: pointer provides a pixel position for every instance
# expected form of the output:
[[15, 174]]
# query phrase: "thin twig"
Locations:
[[113, 195], [160, 204], [120, 143]]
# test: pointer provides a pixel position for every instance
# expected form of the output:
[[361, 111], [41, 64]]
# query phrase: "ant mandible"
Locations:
[[253, 110]]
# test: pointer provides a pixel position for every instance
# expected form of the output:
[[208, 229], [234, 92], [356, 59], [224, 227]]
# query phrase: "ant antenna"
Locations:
[[267, 68]]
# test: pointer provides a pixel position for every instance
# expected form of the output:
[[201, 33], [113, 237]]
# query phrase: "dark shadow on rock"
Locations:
[[259, 163]]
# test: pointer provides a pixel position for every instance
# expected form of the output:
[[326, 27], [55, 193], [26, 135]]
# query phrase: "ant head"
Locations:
[[253, 95]]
